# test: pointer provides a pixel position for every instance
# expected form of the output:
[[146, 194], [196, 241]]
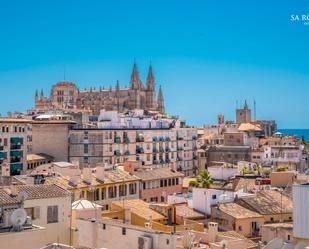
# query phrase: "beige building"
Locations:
[[48, 209], [231, 216], [174, 148], [66, 95], [277, 230], [51, 137], [15, 143]]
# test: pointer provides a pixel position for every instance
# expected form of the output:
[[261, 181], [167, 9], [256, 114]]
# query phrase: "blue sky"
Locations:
[[205, 54]]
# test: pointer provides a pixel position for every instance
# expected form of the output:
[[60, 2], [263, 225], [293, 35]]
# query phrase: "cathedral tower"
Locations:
[[150, 91], [160, 101]]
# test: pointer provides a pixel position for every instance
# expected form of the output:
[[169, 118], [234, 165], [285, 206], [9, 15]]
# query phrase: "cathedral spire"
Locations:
[[42, 94], [150, 82], [117, 85], [36, 95], [135, 80], [160, 100]]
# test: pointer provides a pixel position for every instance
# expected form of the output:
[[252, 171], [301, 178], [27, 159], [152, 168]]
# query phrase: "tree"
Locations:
[[204, 179]]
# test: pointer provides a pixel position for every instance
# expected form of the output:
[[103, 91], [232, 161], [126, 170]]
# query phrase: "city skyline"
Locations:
[[202, 66]]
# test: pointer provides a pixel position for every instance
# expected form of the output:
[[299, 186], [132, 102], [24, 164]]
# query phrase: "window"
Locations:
[[85, 148], [240, 228], [112, 192], [103, 194], [33, 212], [289, 237], [132, 188], [161, 183], [52, 214], [214, 197], [177, 181], [162, 198], [167, 241], [272, 219], [124, 231], [122, 190], [103, 226]]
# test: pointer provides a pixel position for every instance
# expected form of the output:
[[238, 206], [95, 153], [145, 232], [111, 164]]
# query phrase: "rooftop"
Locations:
[[140, 208], [249, 127], [237, 211], [156, 173], [37, 157], [268, 202]]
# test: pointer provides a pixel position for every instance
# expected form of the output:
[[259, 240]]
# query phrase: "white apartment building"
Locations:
[[174, 148], [15, 143]]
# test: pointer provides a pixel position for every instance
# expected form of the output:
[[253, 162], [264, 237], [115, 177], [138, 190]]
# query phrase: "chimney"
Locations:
[[5, 169], [212, 231], [87, 174], [100, 173]]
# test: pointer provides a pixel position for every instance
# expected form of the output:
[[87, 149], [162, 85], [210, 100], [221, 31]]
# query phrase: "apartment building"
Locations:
[[174, 148], [15, 143]]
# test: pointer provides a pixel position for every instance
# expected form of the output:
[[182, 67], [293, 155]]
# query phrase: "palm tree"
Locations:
[[204, 179]]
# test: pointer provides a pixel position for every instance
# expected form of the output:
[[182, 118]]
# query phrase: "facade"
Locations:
[[66, 95], [173, 148], [229, 154], [300, 214], [102, 187], [15, 143], [232, 216], [157, 184], [48, 209], [51, 137]]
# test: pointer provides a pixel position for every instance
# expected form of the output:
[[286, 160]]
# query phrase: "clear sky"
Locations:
[[205, 54]]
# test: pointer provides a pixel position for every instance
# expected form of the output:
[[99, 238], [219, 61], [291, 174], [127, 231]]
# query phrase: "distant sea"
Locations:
[[297, 132]]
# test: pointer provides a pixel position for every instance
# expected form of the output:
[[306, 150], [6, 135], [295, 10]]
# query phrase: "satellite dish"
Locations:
[[18, 218], [22, 196]]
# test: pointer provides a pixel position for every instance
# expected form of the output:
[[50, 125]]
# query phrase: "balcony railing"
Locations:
[[117, 140], [139, 150]]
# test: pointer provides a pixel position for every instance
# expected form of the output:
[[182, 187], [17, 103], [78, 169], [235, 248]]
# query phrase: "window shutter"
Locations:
[[49, 214], [36, 213], [55, 214]]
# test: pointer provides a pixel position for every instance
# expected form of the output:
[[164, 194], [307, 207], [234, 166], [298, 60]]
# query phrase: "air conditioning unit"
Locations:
[[144, 242]]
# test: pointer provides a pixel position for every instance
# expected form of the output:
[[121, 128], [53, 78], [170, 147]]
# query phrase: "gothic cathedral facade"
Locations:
[[66, 95]]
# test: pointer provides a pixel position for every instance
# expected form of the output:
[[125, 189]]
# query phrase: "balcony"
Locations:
[[15, 147], [117, 140], [179, 159], [167, 160], [16, 153], [167, 149], [179, 148], [179, 138], [127, 153], [16, 140], [194, 137], [155, 162], [194, 147], [154, 139], [154, 150], [167, 139], [162, 161], [126, 140], [117, 153], [161, 149], [179, 168], [139, 150], [16, 168], [194, 157], [1, 148], [161, 139], [15, 159], [140, 139]]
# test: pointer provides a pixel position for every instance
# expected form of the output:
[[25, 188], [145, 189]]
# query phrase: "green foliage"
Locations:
[[281, 169], [266, 172], [203, 180]]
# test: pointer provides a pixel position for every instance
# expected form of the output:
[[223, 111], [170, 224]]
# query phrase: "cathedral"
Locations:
[[66, 95]]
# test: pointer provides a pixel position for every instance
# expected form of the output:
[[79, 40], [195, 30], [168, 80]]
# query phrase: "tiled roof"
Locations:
[[113, 176], [42, 191], [249, 127], [234, 235], [183, 210], [157, 173], [237, 211], [268, 202], [6, 199], [140, 208]]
